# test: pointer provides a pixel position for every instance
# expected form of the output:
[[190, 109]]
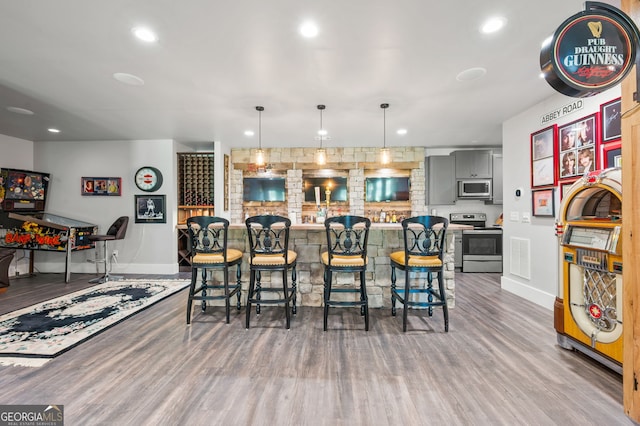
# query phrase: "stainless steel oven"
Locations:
[[480, 248]]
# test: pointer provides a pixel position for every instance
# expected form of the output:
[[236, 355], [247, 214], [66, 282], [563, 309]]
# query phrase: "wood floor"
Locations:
[[498, 365]]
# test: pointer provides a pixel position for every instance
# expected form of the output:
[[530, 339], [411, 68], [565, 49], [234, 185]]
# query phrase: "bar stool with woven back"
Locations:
[[269, 252], [209, 253], [424, 244], [347, 238]]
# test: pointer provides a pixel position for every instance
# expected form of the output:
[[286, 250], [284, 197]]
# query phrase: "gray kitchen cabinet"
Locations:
[[457, 252], [497, 179], [441, 180], [473, 163]]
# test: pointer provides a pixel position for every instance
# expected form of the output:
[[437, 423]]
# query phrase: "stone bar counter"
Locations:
[[309, 240]]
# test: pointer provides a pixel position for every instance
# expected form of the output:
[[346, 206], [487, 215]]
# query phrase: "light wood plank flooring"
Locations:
[[498, 365]]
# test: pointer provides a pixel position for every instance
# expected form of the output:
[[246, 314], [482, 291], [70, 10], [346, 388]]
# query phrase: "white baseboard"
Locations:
[[90, 268], [534, 295]]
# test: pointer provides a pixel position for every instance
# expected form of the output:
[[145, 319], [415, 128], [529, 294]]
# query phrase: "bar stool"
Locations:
[[424, 243], [209, 252], [347, 238], [116, 231], [269, 248]]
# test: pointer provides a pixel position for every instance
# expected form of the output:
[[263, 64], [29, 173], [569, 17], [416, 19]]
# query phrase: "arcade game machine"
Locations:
[[591, 274], [25, 225]]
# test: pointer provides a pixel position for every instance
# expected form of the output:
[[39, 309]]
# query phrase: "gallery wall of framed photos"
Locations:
[[563, 152]]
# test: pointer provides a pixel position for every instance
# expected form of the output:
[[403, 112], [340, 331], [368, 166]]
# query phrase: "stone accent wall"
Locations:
[[356, 192], [418, 192], [293, 161], [295, 195]]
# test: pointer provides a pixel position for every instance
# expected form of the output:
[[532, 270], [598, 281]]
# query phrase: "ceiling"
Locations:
[[216, 60]]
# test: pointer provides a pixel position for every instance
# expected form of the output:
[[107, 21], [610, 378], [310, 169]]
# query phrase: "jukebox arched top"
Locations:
[[595, 197], [591, 212]]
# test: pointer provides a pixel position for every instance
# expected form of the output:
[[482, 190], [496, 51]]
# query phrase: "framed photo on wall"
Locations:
[[101, 186], [542, 157], [611, 120], [577, 147], [151, 209], [542, 202], [612, 155]]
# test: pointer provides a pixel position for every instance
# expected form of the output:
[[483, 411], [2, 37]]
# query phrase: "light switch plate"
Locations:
[[526, 217], [514, 216]]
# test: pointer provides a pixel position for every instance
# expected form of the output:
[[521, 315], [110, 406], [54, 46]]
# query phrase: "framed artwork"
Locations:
[[611, 115], [151, 209], [226, 182], [577, 147], [542, 157], [612, 155], [101, 186], [542, 202]]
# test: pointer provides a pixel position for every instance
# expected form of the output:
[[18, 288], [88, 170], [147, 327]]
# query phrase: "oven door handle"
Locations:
[[482, 231]]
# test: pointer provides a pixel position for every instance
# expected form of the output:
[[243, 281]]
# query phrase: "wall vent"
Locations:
[[520, 257]]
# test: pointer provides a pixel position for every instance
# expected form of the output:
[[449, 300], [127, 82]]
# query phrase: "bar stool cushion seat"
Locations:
[[274, 259], [205, 258], [429, 261], [338, 260]]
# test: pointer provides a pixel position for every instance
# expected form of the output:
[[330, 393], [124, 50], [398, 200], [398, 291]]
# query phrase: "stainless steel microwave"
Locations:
[[474, 188]]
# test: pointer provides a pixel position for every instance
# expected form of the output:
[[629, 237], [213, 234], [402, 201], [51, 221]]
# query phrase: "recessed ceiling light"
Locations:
[[401, 131], [323, 132], [492, 25], [129, 79], [145, 34], [53, 130], [248, 133], [18, 110], [471, 74], [309, 29]]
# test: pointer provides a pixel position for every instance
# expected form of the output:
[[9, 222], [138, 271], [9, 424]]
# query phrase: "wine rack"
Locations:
[[195, 185], [195, 197]]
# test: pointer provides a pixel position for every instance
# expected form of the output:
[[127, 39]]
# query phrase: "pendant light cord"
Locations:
[[321, 129], [384, 124], [260, 109], [321, 132]]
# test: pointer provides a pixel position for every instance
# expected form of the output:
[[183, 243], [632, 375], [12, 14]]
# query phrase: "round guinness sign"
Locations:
[[590, 52]]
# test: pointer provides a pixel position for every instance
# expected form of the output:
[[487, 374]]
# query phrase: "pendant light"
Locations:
[[260, 153], [321, 153], [385, 156]]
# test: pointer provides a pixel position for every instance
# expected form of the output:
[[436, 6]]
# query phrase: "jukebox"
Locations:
[[591, 273]]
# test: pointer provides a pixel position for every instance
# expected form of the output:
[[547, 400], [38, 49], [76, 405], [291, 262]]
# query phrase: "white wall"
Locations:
[[543, 256], [16, 153], [147, 247]]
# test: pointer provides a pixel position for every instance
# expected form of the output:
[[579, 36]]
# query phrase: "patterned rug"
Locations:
[[33, 335]]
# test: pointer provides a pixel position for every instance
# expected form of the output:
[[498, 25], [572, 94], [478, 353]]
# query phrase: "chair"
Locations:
[[116, 231], [209, 252], [347, 238], [424, 243], [6, 256], [269, 247]]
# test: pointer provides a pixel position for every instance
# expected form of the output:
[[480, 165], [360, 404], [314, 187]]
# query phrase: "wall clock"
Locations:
[[148, 179]]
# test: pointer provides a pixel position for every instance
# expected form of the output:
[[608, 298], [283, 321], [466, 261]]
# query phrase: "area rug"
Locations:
[[38, 333]]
